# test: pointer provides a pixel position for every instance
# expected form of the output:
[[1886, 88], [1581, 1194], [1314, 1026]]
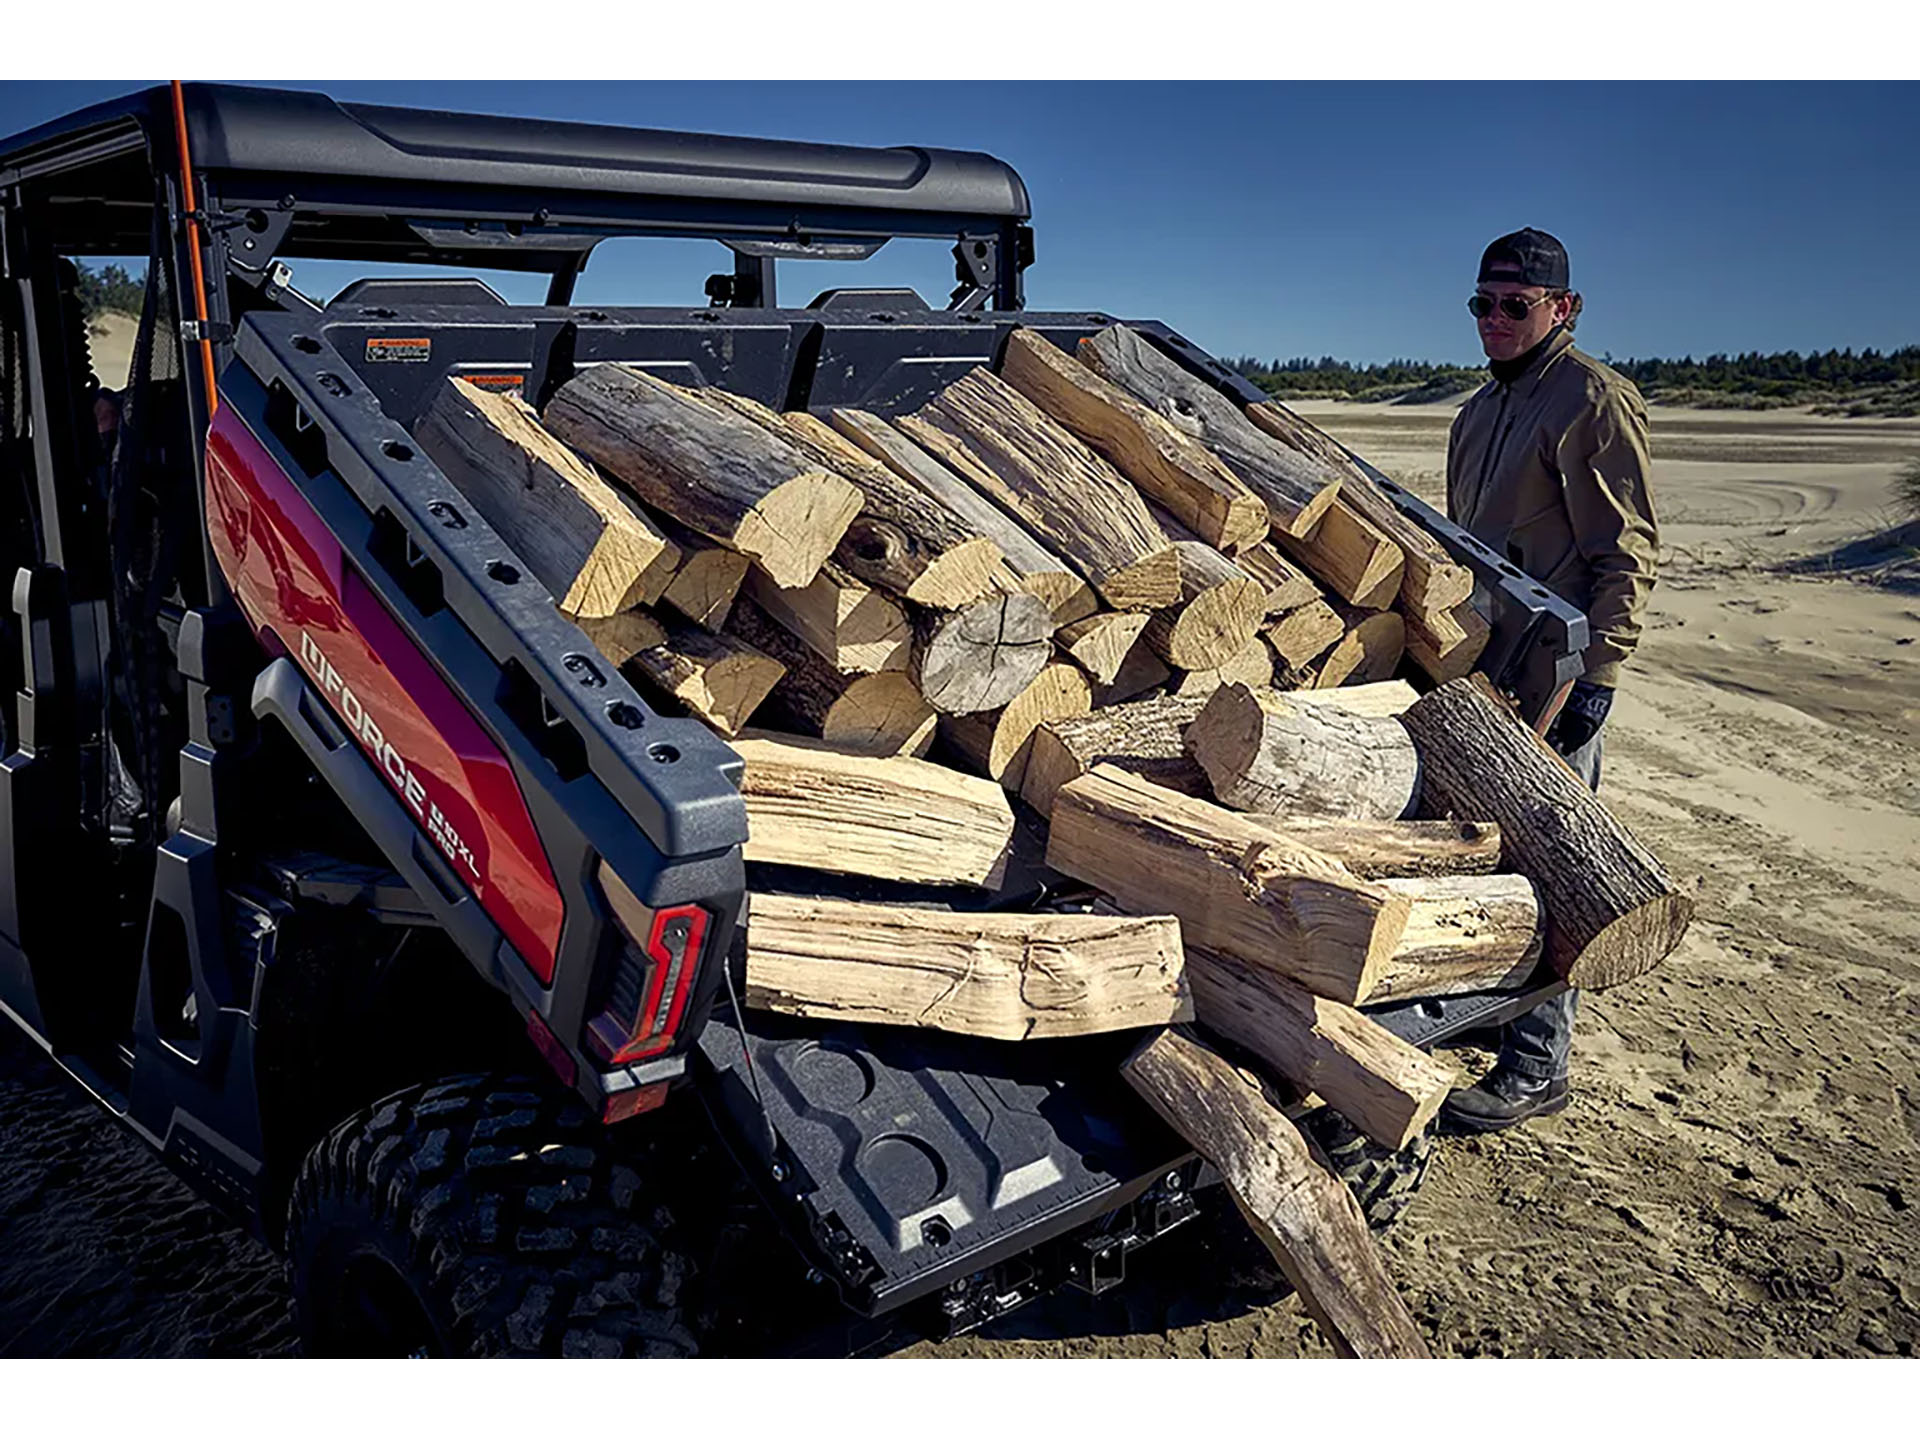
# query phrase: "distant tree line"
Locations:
[[109, 290]]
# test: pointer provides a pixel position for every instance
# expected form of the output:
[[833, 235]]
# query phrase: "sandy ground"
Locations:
[[1737, 1172]]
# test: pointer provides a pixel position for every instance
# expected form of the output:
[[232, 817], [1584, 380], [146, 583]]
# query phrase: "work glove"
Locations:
[[1581, 717]]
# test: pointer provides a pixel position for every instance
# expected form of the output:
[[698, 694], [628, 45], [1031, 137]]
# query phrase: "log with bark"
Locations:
[[1288, 586], [1163, 462], [1433, 582], [1378, 849], [1389, 1089], [1350, 555], [1303, 1213], [1235, 888], [944, 467], [720, 678], [1466, 933], [1612, 911], [819, 807], [855, 629], [902, 541], [1071, 498], [589, 544], [719, 473], [1001, 976], [981, 657], [883, 713], [999, 741], [1267, 753]]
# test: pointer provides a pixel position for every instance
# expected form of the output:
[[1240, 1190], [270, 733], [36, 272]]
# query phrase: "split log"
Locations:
[[1295, 491], [590, 545], [1368, 651], [1235, 888], [1465, 933], [1288, 586], [1433, 581], [1265, 753], [1448, 644], [1148, 738], [854, 629], [718, 677], [1305, 633], [1163, 462], [1389, 1089], [1251, 665], [723, 475], [1099, 644], [1218, 614], [1140, 673], [1350, 556], [1305, 1215], [1612, 911], [706, 580], [902, 541], [1075, 501], [980, 658], [813, 805], [999, 742], [947, 470], [621, 637], [1379, 849], [1001, 976], [883, 713]]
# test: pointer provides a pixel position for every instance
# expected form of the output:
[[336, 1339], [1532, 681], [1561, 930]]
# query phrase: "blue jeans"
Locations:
[[1537, 1044]]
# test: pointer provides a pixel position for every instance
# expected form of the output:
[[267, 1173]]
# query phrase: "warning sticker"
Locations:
[[405, 350], [500, 384]]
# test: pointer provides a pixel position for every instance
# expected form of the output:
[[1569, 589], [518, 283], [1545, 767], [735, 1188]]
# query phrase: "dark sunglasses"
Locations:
[[1511, 306]]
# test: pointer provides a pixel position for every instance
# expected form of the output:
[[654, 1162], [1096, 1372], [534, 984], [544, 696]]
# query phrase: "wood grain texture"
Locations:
[[981, 657], [1377, 849], [1302, 1213], [1305, 633], [1100, 643], [1368, 650], [1075, 501], [1288, 586], [1163, 462], [620, 637], [586, 542], [1000, 976], [1466, 933], [718, 472], [1251, 665], [883, 713], [1268, 754], [818, 807], [1613, 913], [855, 629], [720, 678], [999, 741], [1349, 555], [1261, 897], [1218, 614], [1448, 643], [1295, 492]]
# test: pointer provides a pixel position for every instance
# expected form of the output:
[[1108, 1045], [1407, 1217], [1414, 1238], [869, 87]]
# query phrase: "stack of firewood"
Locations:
[[1166, 627]]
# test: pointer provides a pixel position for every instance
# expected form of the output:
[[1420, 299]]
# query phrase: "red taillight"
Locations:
[[668, 943]]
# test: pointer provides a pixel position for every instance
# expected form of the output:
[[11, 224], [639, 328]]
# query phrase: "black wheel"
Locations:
[[479, 1216], [1383, 1181]]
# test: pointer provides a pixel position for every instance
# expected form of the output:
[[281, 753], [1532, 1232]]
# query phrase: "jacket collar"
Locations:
[[1509, 372]]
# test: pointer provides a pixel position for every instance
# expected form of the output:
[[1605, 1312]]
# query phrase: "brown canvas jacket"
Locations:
[[1551, 471]]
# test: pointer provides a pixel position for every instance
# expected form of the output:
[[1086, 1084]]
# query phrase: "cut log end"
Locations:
[[1213, 627], [1149, 584], [982, 657], [1628, 948], [791, 532], [883, 714], [1298, 525], [959, 577]]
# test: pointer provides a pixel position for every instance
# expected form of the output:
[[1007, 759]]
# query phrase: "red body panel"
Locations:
[[292, 581]]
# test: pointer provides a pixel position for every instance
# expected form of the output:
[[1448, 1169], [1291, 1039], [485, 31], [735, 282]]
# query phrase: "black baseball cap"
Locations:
[[1526, 257]]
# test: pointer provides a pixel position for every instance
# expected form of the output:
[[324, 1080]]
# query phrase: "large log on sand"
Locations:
[[1432, 582], [1071, 498], [884, 713], [981, 657], [812, 805], [1265, 752], [1386, 1087], [718, 472], [1305, 1215], [943, 467], [998, 742], [1165, 463], [1235, 888], [1002, 976], [590, 545], [1295, 491], [902, 541], [1612, 911]]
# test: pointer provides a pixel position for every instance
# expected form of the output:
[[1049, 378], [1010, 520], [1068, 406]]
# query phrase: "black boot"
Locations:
[[1505, 1097]]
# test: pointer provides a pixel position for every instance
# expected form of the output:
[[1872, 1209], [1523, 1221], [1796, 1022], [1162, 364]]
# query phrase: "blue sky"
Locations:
[[1282, 219]]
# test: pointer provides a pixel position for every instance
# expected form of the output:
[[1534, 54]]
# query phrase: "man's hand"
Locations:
[[1582, 716]]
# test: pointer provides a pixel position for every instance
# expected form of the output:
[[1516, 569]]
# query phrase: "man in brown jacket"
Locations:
[[1548, 465]]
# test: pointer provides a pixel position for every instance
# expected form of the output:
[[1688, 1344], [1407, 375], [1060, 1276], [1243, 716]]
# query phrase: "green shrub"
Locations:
[[1906, 488]]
